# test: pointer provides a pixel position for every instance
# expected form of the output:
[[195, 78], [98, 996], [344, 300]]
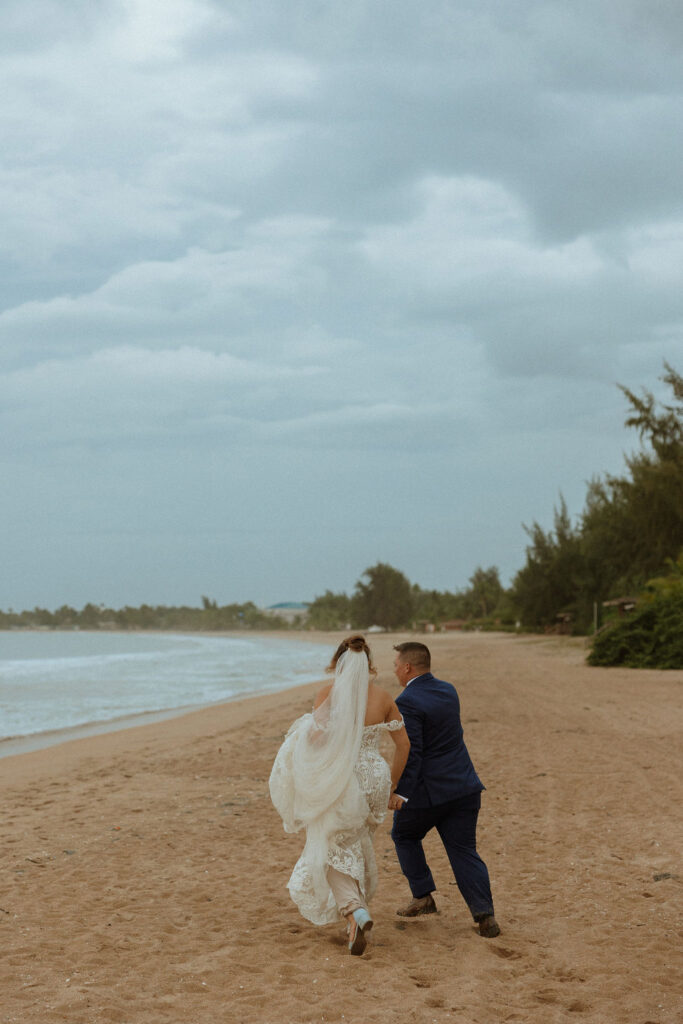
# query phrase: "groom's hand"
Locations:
[[395, 802]]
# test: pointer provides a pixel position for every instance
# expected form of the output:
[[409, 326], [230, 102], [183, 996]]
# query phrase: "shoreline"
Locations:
[[68, 754], [12, 746]]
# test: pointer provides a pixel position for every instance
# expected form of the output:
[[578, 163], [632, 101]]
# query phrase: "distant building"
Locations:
[[290, 611], [624, 605], [563, 623]]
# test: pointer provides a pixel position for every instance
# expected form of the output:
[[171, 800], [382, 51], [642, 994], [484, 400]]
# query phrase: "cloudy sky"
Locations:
[[290, 287]]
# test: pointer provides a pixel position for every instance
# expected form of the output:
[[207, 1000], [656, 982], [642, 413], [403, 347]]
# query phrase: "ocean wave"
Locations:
[[139, 674]]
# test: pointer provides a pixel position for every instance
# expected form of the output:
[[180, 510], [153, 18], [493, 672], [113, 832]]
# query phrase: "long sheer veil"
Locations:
[[312, 783], [314, 766]]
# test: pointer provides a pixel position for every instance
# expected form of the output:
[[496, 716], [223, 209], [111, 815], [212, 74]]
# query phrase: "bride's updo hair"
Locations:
[[356, 642]]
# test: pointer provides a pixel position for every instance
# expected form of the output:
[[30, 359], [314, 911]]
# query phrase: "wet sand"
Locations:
[[144, 870]]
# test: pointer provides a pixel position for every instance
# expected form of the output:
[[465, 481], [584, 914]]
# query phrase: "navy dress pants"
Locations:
[[456, 823]]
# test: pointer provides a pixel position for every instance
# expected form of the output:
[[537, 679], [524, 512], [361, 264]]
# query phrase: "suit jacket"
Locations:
[[439, 767]]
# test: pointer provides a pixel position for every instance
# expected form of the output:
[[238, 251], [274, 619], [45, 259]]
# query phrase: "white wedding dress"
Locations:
[[330, 778]]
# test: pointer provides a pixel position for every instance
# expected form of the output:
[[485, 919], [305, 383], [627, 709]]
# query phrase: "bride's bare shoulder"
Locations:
[[380, 692], [379, 700]]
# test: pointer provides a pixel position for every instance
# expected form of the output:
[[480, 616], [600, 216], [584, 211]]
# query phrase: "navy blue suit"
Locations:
[[443, 792]]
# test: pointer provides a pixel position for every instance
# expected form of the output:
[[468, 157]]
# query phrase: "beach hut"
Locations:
[[564, 622], [424, 626], [624, 605]]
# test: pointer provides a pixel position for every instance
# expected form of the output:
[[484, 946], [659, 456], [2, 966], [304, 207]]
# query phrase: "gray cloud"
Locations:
[[285, 282]]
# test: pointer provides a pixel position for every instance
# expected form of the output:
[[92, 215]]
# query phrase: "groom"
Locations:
[[439, 789]]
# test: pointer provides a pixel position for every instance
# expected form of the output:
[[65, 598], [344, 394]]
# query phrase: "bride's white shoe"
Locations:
[[363, 925]]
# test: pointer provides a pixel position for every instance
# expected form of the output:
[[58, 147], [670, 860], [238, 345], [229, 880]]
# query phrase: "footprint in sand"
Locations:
[[578, 1007], [436, 1002], [545, 996], [504, 953]]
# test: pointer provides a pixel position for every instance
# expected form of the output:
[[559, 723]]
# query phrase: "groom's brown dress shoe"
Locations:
[[488, 926], [425, 905]]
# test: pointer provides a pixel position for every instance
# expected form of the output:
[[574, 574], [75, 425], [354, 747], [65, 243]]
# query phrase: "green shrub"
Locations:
[[652, 636]]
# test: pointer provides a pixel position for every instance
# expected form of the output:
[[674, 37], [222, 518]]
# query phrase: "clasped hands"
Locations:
[[396, 802]]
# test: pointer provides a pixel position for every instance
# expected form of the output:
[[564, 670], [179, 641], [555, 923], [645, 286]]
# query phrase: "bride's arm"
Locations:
[[316, 732], [321, 696], [401, 743], [402, 749]]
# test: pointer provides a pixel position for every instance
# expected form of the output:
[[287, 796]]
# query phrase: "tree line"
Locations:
[[384, 597], [210, 616], [630, 530]]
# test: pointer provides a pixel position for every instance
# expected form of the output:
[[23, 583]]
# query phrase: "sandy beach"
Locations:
[[144, 870]]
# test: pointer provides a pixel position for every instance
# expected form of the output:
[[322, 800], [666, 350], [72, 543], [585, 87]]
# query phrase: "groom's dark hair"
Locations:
[[415, 653]]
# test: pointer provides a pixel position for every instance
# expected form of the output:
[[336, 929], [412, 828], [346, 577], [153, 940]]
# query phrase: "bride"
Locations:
[[329, 778]]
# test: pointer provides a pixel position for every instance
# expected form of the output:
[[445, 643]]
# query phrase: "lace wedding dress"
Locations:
[[330, 778]]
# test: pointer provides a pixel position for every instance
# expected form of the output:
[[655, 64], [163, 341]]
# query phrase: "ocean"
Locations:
[[52, 682]]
